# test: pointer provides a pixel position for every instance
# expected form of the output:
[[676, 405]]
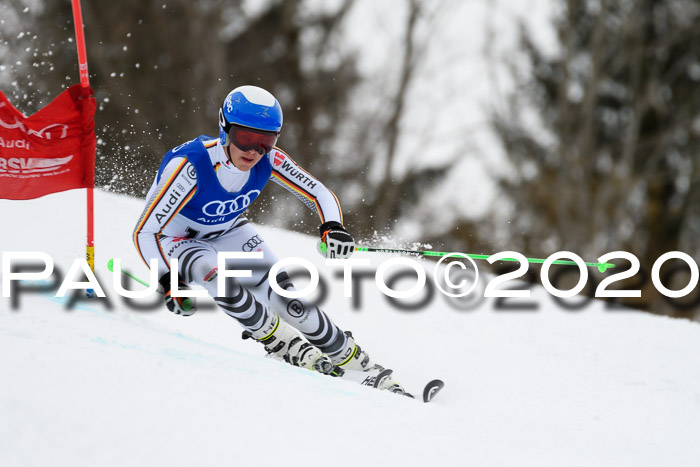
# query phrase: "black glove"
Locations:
[[339, 244], [179, 305]]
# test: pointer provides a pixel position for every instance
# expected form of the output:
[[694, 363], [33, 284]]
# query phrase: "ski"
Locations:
[[376, 378], [431, 389], [384, 374], [372, 377]]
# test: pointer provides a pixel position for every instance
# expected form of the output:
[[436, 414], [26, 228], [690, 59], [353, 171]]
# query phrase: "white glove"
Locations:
[[336, 242]]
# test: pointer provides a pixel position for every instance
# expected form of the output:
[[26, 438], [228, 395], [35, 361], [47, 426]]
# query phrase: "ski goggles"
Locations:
[[246, 139]]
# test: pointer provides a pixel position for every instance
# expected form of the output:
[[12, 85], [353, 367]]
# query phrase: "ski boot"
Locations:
[[354, 362], [283, 342]]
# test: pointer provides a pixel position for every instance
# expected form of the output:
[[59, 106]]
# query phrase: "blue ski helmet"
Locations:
[[250, 107]]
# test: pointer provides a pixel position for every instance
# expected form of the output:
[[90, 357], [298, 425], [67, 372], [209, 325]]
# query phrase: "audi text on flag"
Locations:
[[50, 151]]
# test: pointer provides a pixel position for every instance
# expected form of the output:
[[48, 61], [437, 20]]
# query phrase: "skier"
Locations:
[[195, 208]]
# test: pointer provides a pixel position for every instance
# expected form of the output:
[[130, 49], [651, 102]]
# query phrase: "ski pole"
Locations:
[[601, 266], [110, 266], [186, 303]]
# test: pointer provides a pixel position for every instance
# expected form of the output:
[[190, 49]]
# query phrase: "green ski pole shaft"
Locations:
[[601, 266], [110, 266], [187, 303]]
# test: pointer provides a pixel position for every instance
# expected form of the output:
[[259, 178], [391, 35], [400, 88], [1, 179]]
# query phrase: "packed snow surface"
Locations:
[[103, 384]]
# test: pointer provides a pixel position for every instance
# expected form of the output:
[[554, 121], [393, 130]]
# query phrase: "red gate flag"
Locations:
[[50, 151]]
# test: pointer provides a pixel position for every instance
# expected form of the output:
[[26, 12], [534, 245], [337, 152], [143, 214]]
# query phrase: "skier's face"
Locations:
[[243, 160]]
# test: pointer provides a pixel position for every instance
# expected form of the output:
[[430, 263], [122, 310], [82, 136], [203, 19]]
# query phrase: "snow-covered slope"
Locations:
[[104, 384]]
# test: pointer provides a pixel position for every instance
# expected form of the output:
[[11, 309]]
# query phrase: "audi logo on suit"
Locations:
[[223, 208]]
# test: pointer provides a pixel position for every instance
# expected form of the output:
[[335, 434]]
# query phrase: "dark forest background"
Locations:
[[601, 135]]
